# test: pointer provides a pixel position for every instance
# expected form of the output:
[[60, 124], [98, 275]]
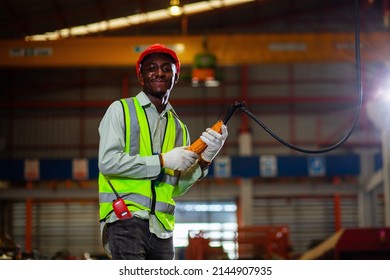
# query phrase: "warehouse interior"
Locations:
[[310, 71]]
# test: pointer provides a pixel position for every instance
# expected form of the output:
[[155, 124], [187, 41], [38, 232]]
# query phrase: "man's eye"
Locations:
[[152, 68], [164, 68]]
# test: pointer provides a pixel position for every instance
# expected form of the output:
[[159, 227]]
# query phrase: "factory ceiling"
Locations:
[[21, 19]]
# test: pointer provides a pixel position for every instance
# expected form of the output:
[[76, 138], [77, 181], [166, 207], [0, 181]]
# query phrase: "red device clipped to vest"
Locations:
[[120, 209], [119, 206]]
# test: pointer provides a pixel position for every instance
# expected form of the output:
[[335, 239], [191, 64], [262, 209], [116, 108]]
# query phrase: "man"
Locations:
[[144, 163]]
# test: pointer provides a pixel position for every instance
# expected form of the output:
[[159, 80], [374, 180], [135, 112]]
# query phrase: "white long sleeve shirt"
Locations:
[[113, 161]]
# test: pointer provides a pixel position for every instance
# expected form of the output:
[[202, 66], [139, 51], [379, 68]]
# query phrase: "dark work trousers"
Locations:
[[130, 239]]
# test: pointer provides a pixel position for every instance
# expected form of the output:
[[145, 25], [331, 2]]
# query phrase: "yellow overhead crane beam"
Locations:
[[230, 49]]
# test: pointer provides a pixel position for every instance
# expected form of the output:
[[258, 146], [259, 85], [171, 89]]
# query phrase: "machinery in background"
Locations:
[[252, 242], [263, 243], [199, 248], [9, 250], [353, 244], [204, 70]]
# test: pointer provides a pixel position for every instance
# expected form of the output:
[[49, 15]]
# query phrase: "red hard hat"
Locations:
[[157, 48]]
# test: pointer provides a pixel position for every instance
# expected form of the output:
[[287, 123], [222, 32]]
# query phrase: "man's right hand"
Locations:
[[179, 159]]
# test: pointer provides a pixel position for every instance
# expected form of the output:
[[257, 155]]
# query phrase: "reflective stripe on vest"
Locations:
[[139, 199], [137, 193]]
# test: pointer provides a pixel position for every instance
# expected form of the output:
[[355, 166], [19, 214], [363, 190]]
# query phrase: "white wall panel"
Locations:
[[324, 71], [265, 72], [50, 131], [70, 227]]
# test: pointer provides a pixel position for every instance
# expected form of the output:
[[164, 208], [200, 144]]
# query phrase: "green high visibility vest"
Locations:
[[153, 196]]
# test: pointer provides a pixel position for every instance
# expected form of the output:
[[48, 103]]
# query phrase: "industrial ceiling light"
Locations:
[[175, 9], [137, 19]]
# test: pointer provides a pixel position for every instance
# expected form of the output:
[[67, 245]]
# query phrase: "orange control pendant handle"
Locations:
[[199, 146]]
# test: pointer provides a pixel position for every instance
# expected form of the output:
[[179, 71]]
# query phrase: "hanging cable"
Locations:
[[360, 101], [199, 145], [358, 89]]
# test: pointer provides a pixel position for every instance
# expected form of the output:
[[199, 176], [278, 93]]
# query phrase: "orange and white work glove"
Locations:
[[178, 159], [214, 142]]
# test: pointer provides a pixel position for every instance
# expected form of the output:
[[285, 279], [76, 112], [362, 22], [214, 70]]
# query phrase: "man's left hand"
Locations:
[[214, 142]]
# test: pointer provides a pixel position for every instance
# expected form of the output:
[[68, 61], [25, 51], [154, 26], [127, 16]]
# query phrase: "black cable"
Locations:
[[358, 87]]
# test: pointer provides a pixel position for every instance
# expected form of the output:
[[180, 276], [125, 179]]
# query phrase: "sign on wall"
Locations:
[[316, 166], [80, 169], [31, 169], [222, 167], [268, 166]]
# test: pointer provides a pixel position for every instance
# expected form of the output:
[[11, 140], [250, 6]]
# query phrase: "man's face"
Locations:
[[158, 75]]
